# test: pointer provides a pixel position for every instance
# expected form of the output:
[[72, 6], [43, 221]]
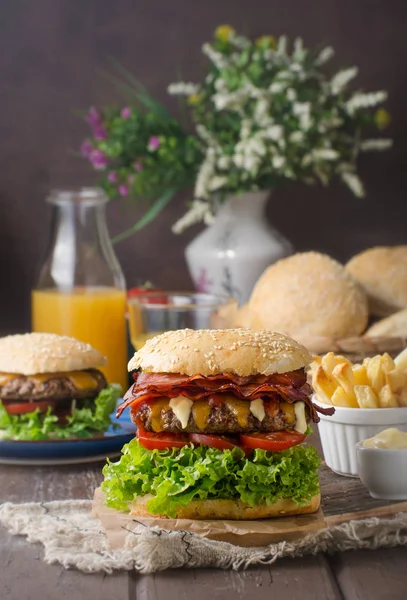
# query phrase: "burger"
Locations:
[[222, 417], [50, 387]]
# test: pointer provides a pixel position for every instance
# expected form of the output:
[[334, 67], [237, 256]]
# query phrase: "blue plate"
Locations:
[[51, 452]]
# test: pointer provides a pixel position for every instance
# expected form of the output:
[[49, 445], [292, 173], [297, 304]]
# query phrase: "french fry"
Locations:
[[396, 379], [344, 375], [360, 375], [387, 363], [366, 398], [375, 372], [341, 398], [402, 398], [386, 398], [323, 384], [330, 360], [380, 382], [401, 360]]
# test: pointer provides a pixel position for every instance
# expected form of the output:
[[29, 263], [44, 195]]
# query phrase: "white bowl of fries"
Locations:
[[367, 397]]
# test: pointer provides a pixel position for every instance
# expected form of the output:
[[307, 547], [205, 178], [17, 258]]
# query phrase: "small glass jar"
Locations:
[[80, 290]]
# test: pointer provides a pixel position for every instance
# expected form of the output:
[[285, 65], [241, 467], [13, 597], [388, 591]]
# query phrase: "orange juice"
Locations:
[[93, 315]]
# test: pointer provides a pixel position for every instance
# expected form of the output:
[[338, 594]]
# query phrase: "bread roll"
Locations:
[[231, 509], [382, 271], [309, 294], [35, 353], [393, 326], [212, 351]]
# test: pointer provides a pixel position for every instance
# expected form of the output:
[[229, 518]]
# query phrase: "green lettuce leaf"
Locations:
[[93, 417], [175, 477]]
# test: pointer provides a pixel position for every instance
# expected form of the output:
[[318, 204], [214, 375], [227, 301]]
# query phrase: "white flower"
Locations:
[[296, 67], [275, 132], [291, 95], [221, 86], [296, 137], [282, 45], [325, 55], [261, 112], [298, 49], [324, 154], [277, 87], [305, 121], [217, 182], [224, 162], [375, 144], [207, 136], [186, 89], [245, 129], [342, 78], [199, 211], [301, 108], [251, 163], [354, 183], [238, 159], [240, 42], [278, 162], [218, 59], [205, 174], [365, 101]]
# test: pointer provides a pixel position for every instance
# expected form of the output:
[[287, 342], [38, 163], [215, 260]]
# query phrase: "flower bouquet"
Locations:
[[266, 113]]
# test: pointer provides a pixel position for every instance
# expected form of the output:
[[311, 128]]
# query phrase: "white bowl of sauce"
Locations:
[[341, 432], [382, 464]]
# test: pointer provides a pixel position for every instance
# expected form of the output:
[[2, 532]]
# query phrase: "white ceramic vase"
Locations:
[[230, 255]]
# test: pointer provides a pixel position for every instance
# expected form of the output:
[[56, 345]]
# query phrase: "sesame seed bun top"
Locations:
[[214, 351], [35, 353]]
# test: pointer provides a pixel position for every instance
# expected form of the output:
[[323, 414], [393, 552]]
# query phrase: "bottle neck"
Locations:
[[80, 252]]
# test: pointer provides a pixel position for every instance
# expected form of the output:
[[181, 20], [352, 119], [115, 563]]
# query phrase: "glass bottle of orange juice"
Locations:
[[80, 291]]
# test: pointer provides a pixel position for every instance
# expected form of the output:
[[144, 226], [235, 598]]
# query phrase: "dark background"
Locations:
[[50, 51]]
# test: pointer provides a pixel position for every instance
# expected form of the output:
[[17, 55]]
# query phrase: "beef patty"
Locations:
[[232, 416], [60, 387]]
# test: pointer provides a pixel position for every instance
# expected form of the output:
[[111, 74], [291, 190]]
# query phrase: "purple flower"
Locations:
[[98, 159], [93, 117], [86, 149], [153, 143], [99, 133], [138, 166], [123, 190], [126, 113], [112, 177]]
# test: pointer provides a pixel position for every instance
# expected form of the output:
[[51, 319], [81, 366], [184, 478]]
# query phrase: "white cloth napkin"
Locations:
[[73, 538]]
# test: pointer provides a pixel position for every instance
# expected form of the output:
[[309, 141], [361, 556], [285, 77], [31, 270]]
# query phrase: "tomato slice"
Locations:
[[221, 442], [21, 408], [273, 441], [148, 295], [162, 440]]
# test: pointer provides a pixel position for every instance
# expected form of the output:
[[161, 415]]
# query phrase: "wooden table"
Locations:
[[357, 575]]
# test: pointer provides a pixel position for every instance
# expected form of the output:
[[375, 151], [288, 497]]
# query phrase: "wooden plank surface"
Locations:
[[24, 576], [303, 579]]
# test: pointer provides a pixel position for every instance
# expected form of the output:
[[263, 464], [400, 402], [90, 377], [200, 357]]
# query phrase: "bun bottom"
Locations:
[[230, 509]]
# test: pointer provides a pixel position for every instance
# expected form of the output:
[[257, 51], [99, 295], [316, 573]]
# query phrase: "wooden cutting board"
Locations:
[[343, 499]]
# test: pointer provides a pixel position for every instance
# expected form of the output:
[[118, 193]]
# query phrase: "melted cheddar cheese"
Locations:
[[200, 413], [82, 380], [240, 409]]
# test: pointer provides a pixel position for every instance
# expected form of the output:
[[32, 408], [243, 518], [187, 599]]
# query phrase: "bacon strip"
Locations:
[[292, 387]]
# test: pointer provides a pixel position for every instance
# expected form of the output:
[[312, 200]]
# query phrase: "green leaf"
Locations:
[[141, 92], [175, 477], [149, 216], [93, 417]]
